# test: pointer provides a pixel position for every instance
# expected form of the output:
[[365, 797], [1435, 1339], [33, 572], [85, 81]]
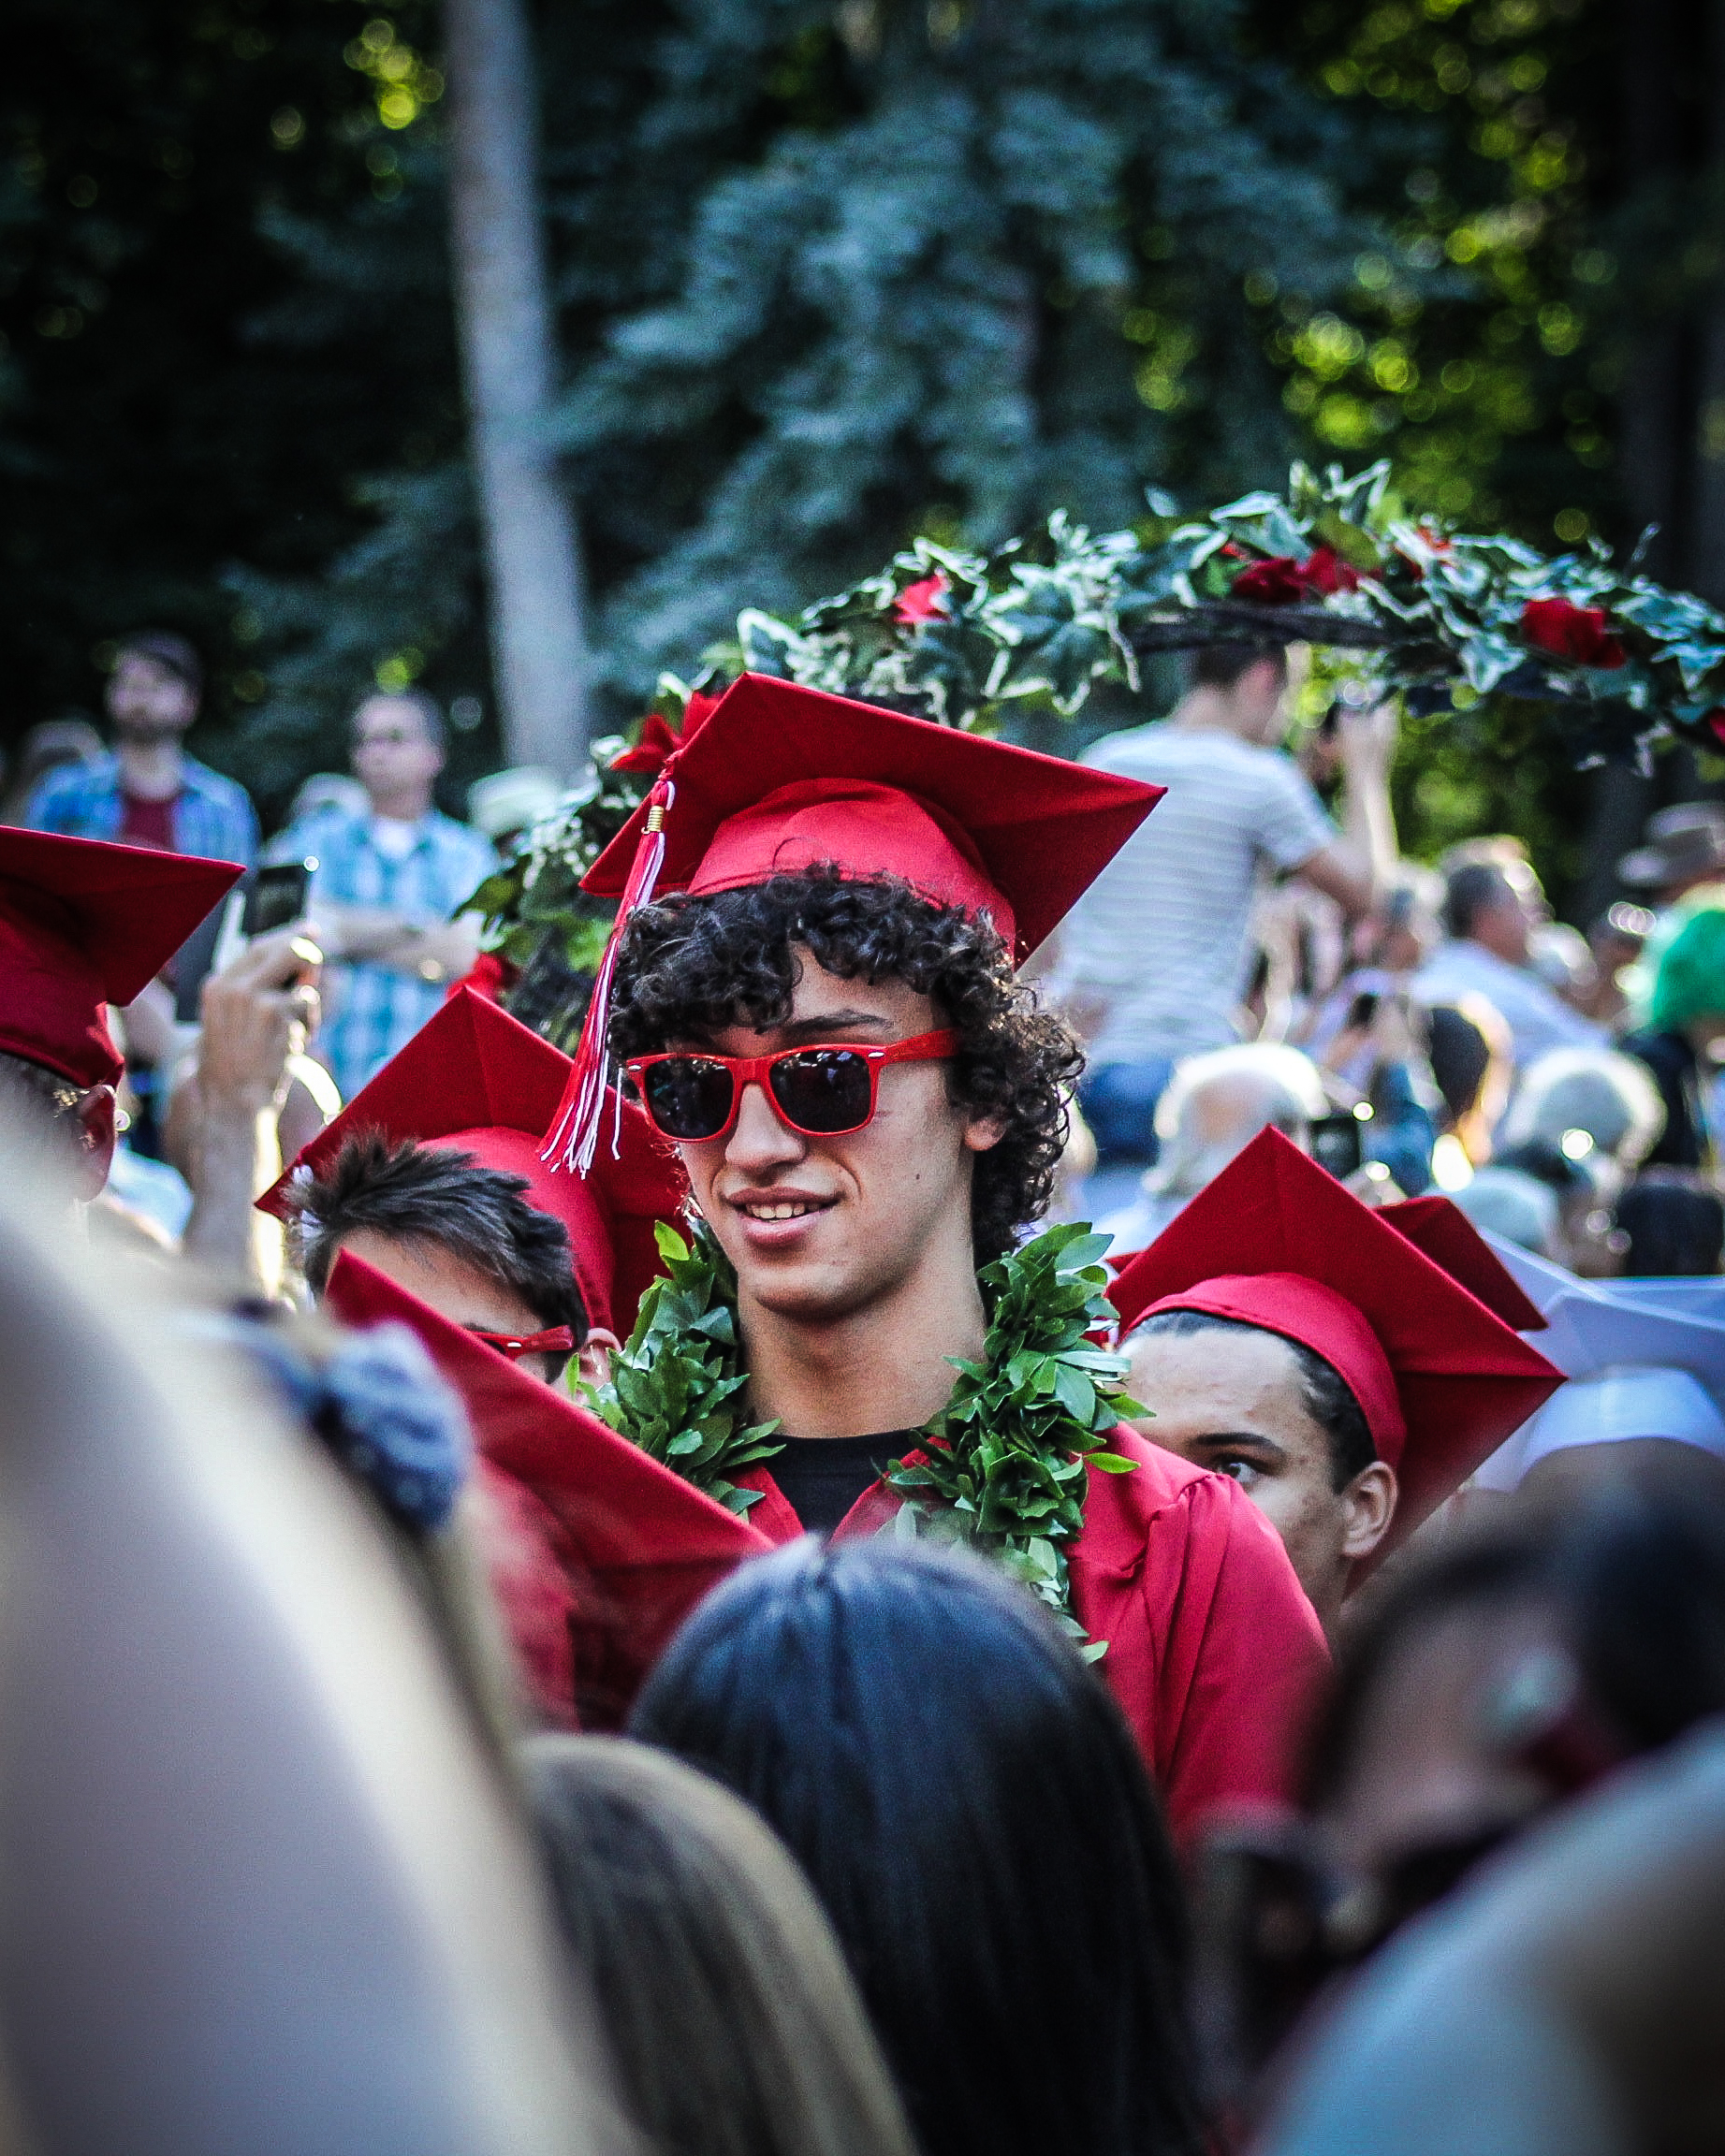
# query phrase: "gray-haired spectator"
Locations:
[[1214, 1106], [1588, 1102]]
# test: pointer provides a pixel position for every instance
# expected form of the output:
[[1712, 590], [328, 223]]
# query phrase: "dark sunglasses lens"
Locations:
[[688, 1097], [824, 1090]]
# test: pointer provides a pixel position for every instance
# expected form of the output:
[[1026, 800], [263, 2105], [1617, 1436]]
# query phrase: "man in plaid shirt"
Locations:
[[383, 888]]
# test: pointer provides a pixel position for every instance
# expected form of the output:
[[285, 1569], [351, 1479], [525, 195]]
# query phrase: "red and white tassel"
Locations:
[[574, 1136]]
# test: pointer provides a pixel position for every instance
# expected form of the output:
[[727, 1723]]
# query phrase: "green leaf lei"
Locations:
[[1005, 1468]]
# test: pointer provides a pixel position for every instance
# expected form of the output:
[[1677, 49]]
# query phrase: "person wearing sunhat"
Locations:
[[83, 924], [433, 1172], [813, 988], [1283, 1333]]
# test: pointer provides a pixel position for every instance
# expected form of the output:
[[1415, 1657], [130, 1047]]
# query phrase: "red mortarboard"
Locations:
[[779, 778], [642, 1546], [83, 925], [782, 777], [1440, 1228], [473, 1080], [1276, 1242]]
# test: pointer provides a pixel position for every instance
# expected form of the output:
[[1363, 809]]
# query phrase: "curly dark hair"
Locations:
[[691, 967]]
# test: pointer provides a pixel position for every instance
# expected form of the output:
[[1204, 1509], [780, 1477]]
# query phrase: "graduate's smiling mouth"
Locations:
[[773, 1217]]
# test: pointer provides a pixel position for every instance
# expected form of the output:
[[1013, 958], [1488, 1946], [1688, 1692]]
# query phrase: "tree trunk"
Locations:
[[539, 650]]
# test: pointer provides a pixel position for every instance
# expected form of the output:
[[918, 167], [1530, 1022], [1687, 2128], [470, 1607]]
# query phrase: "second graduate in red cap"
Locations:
[[812, 992], [1350, 1368]]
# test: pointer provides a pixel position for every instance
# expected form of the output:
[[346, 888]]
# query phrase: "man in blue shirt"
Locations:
[[384, 889], [148, 791]]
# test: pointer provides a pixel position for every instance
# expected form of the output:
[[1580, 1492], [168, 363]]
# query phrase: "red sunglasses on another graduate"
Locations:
[[554, 1340], [825, 1091]]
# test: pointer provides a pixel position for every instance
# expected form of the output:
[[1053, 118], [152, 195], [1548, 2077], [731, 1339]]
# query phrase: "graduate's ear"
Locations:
[[983, 1132], [97, 1136], [1369, 1506]]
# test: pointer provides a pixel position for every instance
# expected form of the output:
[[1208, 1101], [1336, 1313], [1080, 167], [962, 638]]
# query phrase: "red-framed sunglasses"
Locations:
[[555, 1340], [825, 1091]]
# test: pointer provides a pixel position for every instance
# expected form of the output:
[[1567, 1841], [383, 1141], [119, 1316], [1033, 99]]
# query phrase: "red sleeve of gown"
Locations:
[[1213, 1649]]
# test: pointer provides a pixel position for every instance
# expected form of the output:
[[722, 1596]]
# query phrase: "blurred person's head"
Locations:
[[375, 1401], [733, 2022], [1685, 848], [463, 1238], [1562, 958], [1508, 1669], [328, 790], [1583, 1182], [1473, 1065], [1673, 1226], [1570, 1094], [1403, 927], [44, 749], [969, 1804], [1483, 905], [507, 803], [1242, 688], [1599, 1426], [398, 751], [1619, 937], [1689, 988], [155, 686], [1215, 1105], [1521, 1208]]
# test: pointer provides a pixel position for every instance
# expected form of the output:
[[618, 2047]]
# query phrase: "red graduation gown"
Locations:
[[1214, 1652]]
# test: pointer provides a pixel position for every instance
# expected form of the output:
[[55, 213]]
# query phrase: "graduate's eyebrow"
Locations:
[[1241, 1439], [824, 1025]]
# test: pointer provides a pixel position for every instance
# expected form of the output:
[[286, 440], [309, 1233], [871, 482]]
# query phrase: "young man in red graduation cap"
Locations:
[[1283, 1333], [432, 1174], [83, 925], [819, 1008]]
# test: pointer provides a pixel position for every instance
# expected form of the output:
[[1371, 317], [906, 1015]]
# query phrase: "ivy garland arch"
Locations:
[[1447, 620]]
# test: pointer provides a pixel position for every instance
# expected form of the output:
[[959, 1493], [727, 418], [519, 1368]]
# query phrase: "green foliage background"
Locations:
[[827, 275]]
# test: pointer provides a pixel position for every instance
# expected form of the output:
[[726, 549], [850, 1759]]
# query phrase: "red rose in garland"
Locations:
[[658, 742], [1570, 632], [1323, 571], [924, 601], [1275, 582], [1282, 581]]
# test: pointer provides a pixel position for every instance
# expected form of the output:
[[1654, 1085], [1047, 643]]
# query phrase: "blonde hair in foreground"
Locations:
[[734, 2023]]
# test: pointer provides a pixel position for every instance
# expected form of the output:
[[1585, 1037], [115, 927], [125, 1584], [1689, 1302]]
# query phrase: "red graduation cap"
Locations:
[[640, 1546], [1440, 1228], [83, 925], [1278, 1242], [779, 778], [473, 1080]]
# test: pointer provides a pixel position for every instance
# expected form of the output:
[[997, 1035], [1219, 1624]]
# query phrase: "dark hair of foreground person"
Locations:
[[969, 1804], [732, 2019]]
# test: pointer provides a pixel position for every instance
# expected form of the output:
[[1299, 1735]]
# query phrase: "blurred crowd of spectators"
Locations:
[[1247, 962]]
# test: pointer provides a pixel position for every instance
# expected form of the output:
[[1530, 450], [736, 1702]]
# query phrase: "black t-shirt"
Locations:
[[822, 1477]]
